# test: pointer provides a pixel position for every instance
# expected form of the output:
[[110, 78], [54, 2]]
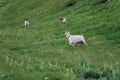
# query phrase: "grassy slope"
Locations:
[[42, 50]]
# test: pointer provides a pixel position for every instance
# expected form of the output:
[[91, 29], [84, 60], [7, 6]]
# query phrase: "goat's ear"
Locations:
[[68, 30]]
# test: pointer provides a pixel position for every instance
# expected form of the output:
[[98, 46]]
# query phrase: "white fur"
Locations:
[[75, 38], [63, 20], [26, 23]]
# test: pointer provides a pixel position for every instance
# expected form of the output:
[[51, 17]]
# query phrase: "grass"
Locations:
[[42, 51]]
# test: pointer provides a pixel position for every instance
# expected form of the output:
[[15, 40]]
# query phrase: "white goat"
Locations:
[[75, 39], [63, 20], [26, 23]]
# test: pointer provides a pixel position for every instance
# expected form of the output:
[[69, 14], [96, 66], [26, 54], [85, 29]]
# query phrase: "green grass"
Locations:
[[42, 51]]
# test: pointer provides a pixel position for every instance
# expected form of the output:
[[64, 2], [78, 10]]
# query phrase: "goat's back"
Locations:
[[76, 38]]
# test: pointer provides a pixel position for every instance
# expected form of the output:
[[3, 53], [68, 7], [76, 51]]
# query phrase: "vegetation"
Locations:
[[41, 52]]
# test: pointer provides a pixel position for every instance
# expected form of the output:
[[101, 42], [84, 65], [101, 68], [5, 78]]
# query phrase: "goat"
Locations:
[[75, 39], [26, 23], [63, 20]]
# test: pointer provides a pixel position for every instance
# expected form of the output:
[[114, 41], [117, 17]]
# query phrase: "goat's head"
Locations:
[[67, 34], [61, 19]]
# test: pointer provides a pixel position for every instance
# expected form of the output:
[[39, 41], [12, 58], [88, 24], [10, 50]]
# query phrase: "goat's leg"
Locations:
[[85, 42], [71, 44], [79, 43]]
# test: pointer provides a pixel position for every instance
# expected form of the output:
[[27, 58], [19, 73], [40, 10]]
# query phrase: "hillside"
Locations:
[[41, 52]]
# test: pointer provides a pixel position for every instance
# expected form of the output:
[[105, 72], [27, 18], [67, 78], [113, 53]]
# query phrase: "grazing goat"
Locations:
[[75, 39], [63, 20], [26, 23]]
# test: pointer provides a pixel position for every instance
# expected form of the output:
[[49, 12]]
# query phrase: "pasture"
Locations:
[[41, 52]]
